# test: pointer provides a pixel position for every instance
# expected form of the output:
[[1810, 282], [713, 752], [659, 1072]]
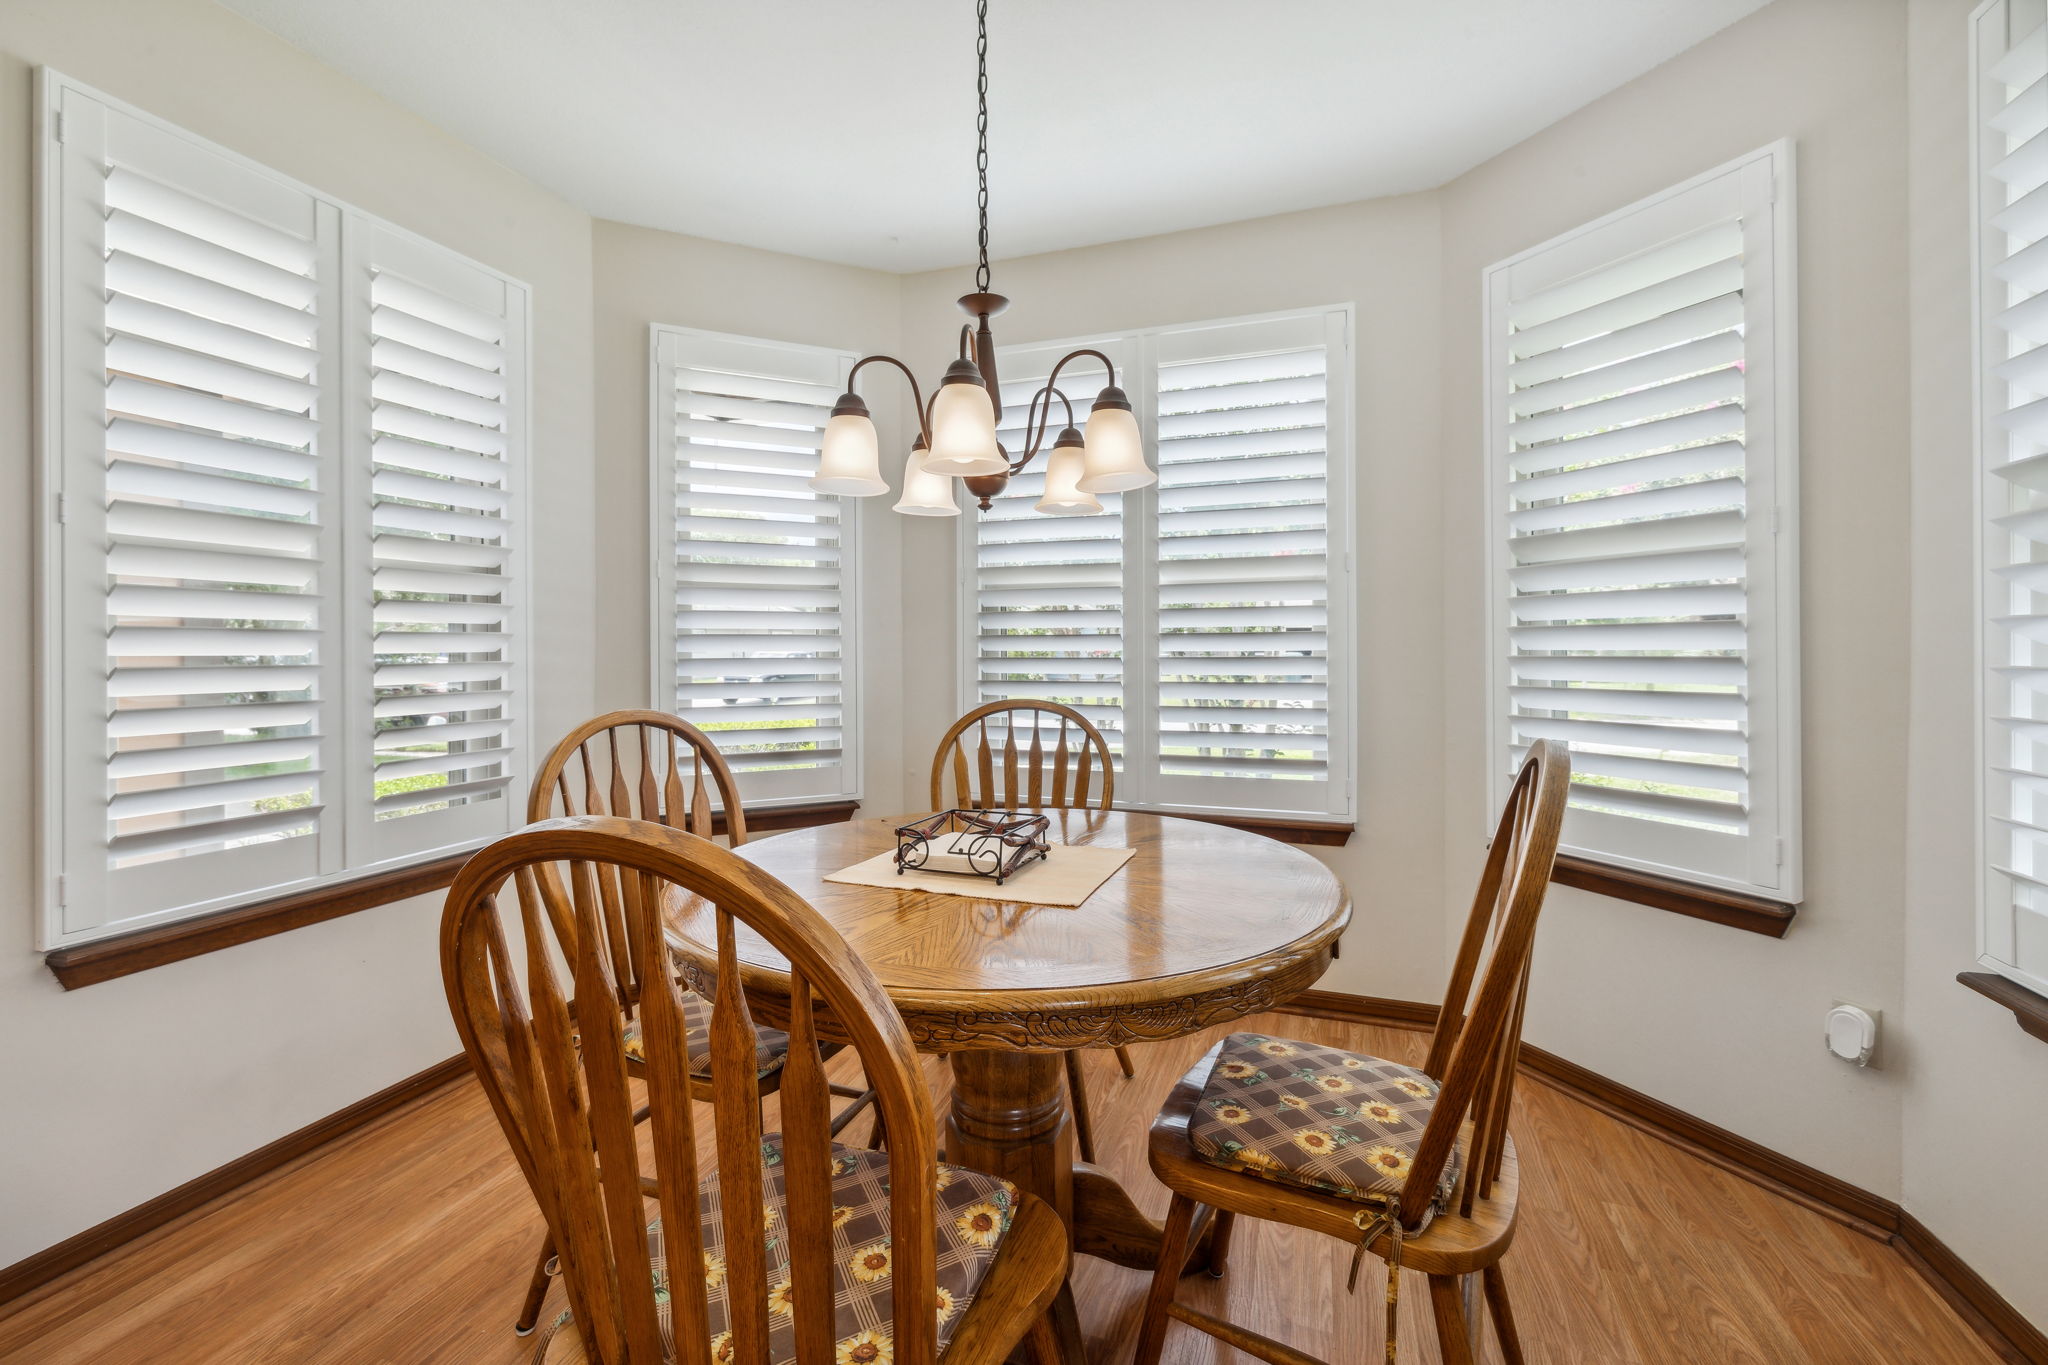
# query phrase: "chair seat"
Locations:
[[1296, 1113], [974, 1214], [771, 1047], [1455, 1243]]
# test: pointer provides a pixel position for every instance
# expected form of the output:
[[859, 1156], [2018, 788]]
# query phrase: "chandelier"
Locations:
[[957, 431]]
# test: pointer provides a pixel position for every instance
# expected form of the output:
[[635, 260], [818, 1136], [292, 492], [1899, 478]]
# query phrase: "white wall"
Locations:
[[1380, 255], [1976, 1105], [643, 277], [120, 1091]]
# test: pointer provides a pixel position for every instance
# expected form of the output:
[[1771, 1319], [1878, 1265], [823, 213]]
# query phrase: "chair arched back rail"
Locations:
[[1063, 761], [556, 1076], [1471, 1064]]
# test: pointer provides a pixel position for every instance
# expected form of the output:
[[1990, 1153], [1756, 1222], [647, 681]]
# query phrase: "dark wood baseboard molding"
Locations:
[[1975, 1301], [91, 963], [2029, 1009], [46, 1265], [1732, 908], [1325, 833]]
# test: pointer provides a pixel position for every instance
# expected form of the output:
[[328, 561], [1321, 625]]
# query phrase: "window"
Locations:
[[282, 609], [1203, 623], [2009, 56], [1640, 485], [754, 608]]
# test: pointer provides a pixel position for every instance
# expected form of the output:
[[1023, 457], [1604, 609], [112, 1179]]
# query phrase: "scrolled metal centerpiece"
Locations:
[[992, 844]]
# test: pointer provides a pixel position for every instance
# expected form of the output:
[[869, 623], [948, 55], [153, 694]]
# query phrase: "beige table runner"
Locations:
[[1067, 875]]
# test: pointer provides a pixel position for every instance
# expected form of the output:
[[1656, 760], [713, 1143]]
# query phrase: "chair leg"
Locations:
[[537, 1289], [1219, 1242], [1454, 1336], [1503, 1317], [1042, 1344], [1123, 1059], [1077, 1093], [1173, 1254]]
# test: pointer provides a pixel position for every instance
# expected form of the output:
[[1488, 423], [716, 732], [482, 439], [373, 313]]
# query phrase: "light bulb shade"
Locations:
[[1062, 472], [926, 494], [963, 423], [1115, 451], [850, 457]]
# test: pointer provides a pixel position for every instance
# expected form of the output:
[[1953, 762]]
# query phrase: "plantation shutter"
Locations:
[[443, 442], [2010, 67], [756, 609], [280, 445], [1243, 583], [1641, 465], [194, 547], [1048, 618]]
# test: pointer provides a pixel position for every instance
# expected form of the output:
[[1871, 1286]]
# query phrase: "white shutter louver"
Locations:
[[757, 615], [1201, 623], [1243, 690], [211, 404], [2010, 70], [1641, 589], [1048, 621], [444, 341]]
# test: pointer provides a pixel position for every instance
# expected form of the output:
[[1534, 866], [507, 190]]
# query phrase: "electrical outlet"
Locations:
[[1852, 1033]]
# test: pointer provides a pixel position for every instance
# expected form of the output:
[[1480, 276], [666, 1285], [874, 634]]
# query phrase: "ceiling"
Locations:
[[844, 129]]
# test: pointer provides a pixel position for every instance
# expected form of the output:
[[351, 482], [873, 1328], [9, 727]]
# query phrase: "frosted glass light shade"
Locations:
[[850, 458], [1062, 472], [926, 494], [963, 423], [1116, 453]]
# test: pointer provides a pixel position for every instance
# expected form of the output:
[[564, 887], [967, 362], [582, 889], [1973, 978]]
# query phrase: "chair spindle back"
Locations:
[[1067, 765], [1478, 1037], [567, 1109]]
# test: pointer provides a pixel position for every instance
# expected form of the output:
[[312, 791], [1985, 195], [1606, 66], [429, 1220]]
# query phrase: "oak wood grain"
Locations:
[[408, 1239]]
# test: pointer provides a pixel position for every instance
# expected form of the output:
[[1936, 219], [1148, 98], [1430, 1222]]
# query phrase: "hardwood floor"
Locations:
[[410, 1241]]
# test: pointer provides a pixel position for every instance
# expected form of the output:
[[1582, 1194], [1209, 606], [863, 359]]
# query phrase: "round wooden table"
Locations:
[[1204, 924]]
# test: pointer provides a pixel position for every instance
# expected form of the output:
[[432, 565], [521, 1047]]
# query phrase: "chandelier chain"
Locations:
[[981, 138]]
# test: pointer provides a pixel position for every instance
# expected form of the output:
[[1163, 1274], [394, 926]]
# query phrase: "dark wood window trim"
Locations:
[[88, 964], [2028, 1008], [1756, 914], [1286, 828]]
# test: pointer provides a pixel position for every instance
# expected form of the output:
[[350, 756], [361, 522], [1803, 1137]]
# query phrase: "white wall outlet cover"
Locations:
[[1852, 1033]]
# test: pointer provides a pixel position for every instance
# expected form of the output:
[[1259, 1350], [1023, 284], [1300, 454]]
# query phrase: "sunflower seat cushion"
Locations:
[[973, 1212], [1343, 1123], [771, 1047]]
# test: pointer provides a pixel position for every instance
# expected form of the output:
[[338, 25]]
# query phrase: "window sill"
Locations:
[[1732, 908], [1287, 829], [88, 964], [2028, 1008]]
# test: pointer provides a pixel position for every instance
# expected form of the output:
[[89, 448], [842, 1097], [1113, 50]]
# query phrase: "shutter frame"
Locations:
[[1760, 852]]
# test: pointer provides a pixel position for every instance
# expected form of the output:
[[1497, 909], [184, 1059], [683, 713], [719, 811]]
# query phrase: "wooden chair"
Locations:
[[651, 766], [1036, 776], [1440, 1193], [753, 1231]]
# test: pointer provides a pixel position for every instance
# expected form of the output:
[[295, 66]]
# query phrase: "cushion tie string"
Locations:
[[1371, 1226]]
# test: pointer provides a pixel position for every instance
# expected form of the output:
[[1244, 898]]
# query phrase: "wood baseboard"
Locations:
[[48, 1264], [2000, 1324]]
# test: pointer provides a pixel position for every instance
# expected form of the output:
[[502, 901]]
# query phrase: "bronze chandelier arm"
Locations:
[[1048, 393], [1034, 439], [916, 394]]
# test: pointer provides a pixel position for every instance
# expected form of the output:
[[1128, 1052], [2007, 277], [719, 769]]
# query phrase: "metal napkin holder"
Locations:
[[995, 844]]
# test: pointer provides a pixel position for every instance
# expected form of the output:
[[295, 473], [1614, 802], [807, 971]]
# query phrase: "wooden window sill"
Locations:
[[1287, 829], [2028, 1008], [1756, 914], [88, 964]]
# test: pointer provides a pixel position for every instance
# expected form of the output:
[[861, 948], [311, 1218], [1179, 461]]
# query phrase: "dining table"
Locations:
[[1204, 924]]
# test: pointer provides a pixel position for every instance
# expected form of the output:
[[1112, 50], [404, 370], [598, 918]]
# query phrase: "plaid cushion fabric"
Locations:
[[973, 1213], [770, 1050], [1300, 1114]]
